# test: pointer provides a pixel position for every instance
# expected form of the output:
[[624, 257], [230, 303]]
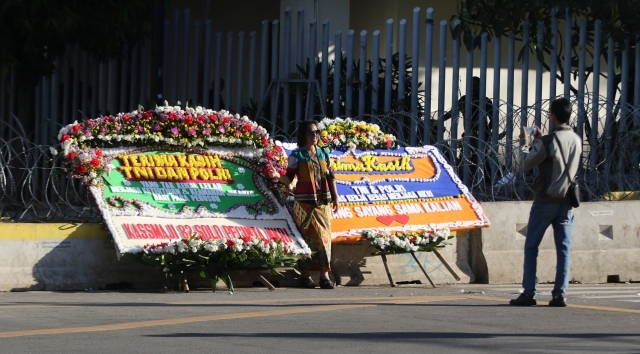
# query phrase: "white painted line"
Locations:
[[609, 296], [630, 300]]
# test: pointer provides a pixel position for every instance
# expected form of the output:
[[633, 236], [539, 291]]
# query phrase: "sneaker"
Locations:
[[558, 301], [524, 300]]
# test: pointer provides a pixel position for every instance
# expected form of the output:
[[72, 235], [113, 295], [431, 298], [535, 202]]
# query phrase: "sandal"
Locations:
[[308, 283], [327, 284]]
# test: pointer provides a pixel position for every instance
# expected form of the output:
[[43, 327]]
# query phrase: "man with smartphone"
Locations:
[[557, 156]]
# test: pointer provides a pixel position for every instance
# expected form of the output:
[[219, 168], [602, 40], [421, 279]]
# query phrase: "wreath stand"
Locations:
[[393, 284]]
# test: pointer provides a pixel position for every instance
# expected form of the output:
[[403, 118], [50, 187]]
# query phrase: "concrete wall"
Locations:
[[606, 241]]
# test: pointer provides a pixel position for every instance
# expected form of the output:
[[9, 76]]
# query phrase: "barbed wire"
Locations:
[[33, 187]]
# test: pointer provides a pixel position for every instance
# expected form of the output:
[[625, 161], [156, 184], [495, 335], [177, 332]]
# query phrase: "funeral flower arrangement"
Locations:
[[166, 125], [348, 134], [216, 257], [413, 241]]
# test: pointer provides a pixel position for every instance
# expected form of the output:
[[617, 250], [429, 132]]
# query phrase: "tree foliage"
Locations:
[[35, 32]]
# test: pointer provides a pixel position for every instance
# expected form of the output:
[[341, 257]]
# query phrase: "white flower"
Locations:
[[241, 169], [182, 247], [92, 175], [166, 270], [171, 206], [240, 186], [53, 151]]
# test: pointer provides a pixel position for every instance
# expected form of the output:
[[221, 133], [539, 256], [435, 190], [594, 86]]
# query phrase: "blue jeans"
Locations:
[[560, 216]]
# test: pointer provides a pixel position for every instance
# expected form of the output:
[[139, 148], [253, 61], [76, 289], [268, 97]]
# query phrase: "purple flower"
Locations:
[[174, 131], [192, 131], [238, 133], [157, 127], [87, 133], [103, 130], [221, 129], [207, 131], [118, 128], [140, 128]]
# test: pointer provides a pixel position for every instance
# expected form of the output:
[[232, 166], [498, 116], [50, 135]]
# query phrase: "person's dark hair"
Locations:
[[561, 109], [303, 129]]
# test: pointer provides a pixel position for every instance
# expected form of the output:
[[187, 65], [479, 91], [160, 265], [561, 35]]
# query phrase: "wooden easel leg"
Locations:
[[386, 267], [423, 271], [185, 284], [265, 282], [446, 265]]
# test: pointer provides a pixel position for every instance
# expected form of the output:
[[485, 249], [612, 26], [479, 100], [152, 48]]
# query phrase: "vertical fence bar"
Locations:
[[174, 63], [264, 70], [165, 66], [349, 76], [124, 74], [66, 84], [363, 73], [495, 123], [468, 110], [286, 68], [388, 66], [402, 73], [275, 62], [84, 101], [524, 98], [113, 87], [103, 88], [229, 73], [636, 104], [217, 71], [415, 73], [184, 95], [300, 63], [240, 71], [133, 83], [553, 55], [12, 91], [95, 84], [624, 113], [313, 55], [195, 97], [442, 72], [206, 66], [608, 124], [3, 100], [252, 68], [144, 73], [375, 76], [337, 73], [428, 73], [595, 103], [324, 67], [539, 70], [482, 109], [77, 65], [581, 77], [568, 45], [511, 62], [55, 93]]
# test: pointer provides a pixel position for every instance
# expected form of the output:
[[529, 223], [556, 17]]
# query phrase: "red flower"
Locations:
[[278, 148], [200, 119], [230, 243], [172, 116], [81, 169], [65, 137], [283, 172], [226, 120], [75, 128], [247, 127], [108, 119], [269, 155], [95, 162], [213, 118], [388, 143], [246, 238], [126, 117], [147, 114], [265, 141], [188, 119], [98, 152], [266, 170], [72, 156]]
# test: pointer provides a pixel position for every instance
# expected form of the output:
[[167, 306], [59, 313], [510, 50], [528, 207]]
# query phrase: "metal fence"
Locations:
[[250, 73]]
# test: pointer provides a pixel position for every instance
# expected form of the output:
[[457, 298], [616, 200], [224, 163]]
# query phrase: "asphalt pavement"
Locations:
[[466, 318]]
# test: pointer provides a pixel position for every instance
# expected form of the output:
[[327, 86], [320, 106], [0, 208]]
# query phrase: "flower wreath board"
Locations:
[[391, 189], [184, 188]]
